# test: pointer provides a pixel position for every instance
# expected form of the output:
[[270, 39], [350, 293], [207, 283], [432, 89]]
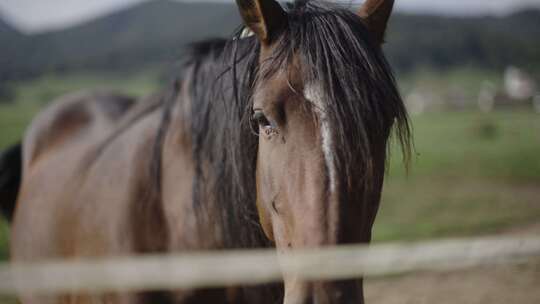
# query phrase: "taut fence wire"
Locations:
[[251, 267]]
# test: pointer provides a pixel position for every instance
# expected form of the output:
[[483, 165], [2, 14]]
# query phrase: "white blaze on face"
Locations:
[[312, 93]]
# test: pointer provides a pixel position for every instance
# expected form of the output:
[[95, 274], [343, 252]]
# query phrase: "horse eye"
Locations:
[[261, 120]]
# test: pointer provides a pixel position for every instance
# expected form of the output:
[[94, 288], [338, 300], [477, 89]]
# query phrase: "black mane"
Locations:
[[221, 138], [339, 56]]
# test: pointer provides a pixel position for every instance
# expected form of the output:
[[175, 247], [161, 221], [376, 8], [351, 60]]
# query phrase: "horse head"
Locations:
[[324, 105]]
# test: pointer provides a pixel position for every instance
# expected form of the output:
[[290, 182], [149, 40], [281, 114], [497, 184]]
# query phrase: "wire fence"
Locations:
[[251, 267]]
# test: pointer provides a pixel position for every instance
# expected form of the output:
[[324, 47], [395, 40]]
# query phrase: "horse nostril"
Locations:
[[274, 207], [335, 293], [309, 300], [338, 295]]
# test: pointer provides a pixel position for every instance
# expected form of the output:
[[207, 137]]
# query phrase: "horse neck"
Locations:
[[187, 228]]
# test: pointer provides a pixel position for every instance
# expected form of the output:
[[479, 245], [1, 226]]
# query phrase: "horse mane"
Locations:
[[221, 73], [338, 55]]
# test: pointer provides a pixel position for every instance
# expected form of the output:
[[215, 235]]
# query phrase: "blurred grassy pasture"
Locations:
[[472, 173]]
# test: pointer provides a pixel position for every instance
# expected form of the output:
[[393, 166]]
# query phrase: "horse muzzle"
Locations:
[[341, 292]]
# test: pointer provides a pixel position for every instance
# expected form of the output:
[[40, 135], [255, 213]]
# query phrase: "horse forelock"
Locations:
[[350, 85]]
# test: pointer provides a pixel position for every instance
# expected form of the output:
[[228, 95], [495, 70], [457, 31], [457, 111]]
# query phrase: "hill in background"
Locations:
[[484, 42], [152, 32], [7, 32], [156, 32], [9, 41]]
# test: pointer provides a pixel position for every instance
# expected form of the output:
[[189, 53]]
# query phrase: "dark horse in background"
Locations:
[[274, 138]]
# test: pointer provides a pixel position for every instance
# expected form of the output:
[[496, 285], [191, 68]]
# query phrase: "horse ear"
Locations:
[[264, 17], [376, 14]]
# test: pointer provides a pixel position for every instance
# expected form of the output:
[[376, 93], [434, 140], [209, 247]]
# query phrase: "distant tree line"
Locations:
[[157, 32]]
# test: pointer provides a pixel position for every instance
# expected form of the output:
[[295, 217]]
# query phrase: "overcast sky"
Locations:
[[40, 15]]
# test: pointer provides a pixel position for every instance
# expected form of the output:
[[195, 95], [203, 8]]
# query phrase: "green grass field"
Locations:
[[471, 173]]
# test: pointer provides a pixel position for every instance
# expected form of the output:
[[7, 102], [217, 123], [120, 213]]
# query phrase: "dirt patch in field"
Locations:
[[483, 285]]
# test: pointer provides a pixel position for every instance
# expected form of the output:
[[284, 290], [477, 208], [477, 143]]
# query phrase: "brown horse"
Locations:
[[277, 138]]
